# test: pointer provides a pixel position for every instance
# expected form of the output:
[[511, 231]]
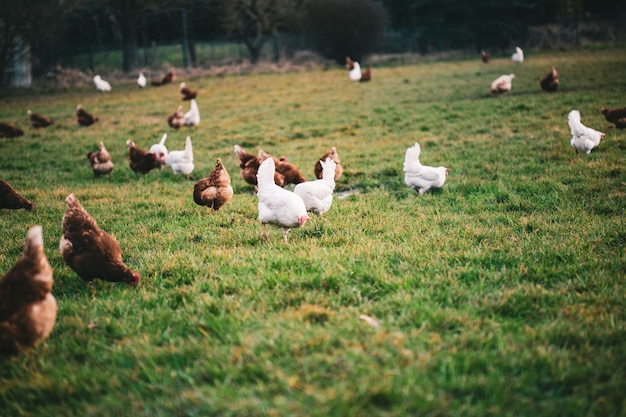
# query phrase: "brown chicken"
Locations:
[[11, 199], [100, 161], [215, 190], [332, 154], [177, 120], [187, 93], [28, 309], [141, 161], [617, 116], [37, 120], [10, 131], [485, 56], [551, 82], [167, 78], [288, 170], [90, 251], [84, 117], [366, 74], [349, 63], [249, 165]]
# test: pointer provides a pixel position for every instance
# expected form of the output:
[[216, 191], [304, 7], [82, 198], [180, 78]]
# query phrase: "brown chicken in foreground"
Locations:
[[11, 199], [28, 309], [617, 116], [141, 161], [10, 131], [332, 154], [100, 161], [84, 117], [288, 170], [90, 251], [37, 120], [187, 93], [215, 190], [177, 119], [249, 165], [551, 82], [167, 78]]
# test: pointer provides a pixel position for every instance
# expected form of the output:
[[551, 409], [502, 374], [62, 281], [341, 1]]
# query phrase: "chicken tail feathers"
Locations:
[[412, 158], [163, 138], [33, 247], [573, 119], [188, 149]]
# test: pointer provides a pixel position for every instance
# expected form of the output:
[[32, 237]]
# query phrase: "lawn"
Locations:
[[500, 294]]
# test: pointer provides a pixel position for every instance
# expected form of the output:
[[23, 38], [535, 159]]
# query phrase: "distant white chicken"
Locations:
[[584, 138], [355, 72], [419, 177], [101, 85], [192, 117], [181, 162], [502, 84], [518, 56], [318, 195], [159, 149], [141, 80], [277, 206]]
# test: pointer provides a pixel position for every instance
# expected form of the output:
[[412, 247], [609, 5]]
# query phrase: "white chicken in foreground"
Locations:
[[502, 84], [181, 162], [101, 85], [192, 117], [141, 80], [159, 150], [419, 177], [518, 56], [584, 138], [318, 195], [277, 206]]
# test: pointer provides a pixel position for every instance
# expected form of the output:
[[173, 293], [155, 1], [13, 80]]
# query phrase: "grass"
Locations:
[[501, 294]]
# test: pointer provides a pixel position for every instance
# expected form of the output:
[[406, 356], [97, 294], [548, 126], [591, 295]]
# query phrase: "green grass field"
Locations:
[[501, 294]]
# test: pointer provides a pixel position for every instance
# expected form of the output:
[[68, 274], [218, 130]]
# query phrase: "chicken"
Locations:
[[141, 161], [277, 206], [215, 190], [551, 82], [354, 69], [11, 199], [28, 310], [187, 93], [366, 74], [617, 116], [177, 119], [249, 166], [485, 56], [84, 117], [518, 55], [318, 195], [419, 177], [141, 80], [501, 84], [159, 150], [100, 161], [290, 173], [192, 117], [181, 162], [90, 251], [335, 157], [37, 120], [167, 78], [584, 138], [9, 131], [101, 85]]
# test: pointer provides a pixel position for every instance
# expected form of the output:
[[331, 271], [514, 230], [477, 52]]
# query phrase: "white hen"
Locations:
[[502, 84], [355, 73], [584, 138], [101, 85], [141, 80], [192, 117], [159, 149], [277, 206], [318, 195], [518, 56], [181, 162], [419, 177]]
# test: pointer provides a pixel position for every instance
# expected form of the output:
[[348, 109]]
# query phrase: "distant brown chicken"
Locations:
[[10, 131], [249, 165], [366, 75], [215, 190], [11, 199], [288, 170], [167, 78], [38, 121], [177, 119], [617, 116], [187, 93], [551, 82], [28, 309], [485, 56], [141, 161], [332, 154], [100, 161], [84, 117]]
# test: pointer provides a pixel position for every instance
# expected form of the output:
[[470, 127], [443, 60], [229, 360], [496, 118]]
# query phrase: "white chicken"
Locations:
[[181, 162], [318, 195], [584, 138], [355, 72], [518, 56], [101, 85], [141, 80], [277, 206], [419, 177], [159, 149], [192, 117], [502, 84]]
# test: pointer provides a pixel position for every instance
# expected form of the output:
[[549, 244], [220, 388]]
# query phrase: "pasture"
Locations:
[[501, 294]]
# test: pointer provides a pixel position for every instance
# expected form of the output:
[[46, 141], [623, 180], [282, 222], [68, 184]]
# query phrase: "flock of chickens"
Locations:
[[27, 307]]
